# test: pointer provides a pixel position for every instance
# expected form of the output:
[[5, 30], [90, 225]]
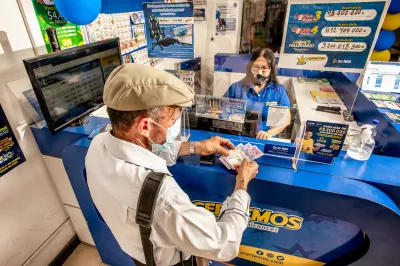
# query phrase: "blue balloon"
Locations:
[[385, 40], [122, 6], [218, 14], [79, 12], [394, 7]]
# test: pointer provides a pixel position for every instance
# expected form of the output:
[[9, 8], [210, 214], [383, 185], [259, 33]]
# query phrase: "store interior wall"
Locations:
[[31, 211]]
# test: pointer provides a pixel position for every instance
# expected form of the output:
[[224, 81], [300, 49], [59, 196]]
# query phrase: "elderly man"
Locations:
[[144, 105]]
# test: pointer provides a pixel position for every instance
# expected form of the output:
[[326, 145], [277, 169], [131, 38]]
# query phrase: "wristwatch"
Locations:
[[191, 148]]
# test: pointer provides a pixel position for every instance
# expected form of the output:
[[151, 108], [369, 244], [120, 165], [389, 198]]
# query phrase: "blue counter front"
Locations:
[[317, 215]]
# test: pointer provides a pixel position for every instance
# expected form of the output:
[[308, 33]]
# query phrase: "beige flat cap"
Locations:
[[133, 87]]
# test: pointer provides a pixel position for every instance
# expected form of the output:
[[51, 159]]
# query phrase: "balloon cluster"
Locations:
[[387, 36], [84, 12]]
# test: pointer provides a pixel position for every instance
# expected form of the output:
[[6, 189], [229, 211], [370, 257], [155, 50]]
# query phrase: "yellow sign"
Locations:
[[271, 258], [303, 60]]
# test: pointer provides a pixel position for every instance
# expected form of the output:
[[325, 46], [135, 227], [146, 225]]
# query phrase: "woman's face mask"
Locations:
[[172, 134], [260, 74]]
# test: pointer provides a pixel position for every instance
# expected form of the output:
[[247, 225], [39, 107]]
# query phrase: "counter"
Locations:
[[317, 214]]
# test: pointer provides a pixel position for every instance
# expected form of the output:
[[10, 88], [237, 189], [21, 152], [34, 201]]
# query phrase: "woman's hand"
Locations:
[[263, 134]]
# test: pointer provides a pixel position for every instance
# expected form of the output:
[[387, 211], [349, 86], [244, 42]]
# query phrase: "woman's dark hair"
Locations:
[[270, 57]]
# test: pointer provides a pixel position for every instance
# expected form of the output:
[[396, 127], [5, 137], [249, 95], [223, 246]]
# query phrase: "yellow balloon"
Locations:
[[380, 56], [391, 22]]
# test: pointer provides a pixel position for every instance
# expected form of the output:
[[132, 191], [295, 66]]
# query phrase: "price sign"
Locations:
[[330, 36], [342, 46], [350, 15], [346, 31]]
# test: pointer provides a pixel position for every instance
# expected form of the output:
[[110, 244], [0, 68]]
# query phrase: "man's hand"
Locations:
[[246, 172], [263, 134], [214, 145]]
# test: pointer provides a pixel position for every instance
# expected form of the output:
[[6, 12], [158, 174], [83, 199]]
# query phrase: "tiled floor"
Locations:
[[84, 255]]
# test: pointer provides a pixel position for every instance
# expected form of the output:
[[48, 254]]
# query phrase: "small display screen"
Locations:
[[70, 84]]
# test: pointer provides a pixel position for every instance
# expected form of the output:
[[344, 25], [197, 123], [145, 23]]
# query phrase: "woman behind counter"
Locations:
[[261, 89]]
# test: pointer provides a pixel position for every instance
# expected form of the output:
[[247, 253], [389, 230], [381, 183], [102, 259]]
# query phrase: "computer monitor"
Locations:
[[69, 84]]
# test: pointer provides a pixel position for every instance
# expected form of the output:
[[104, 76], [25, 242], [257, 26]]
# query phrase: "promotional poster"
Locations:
[[220, 108], [187, 76], [58, 34], [169, 29], [330, 36], [10, 152], [323, 139], [226, 18]]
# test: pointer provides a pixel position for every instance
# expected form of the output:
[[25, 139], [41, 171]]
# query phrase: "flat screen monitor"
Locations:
[[69, 84]]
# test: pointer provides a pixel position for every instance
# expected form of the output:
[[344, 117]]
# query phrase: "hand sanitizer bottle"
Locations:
[[363, 145]]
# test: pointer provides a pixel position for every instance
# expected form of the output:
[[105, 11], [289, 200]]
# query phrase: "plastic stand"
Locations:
[[23, 91]]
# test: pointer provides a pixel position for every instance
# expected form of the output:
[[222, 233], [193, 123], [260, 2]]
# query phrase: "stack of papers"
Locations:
[[322, 81], [323, 100], [236, 157], [386, 104], [395, 118], [323, 94], [381, 96]]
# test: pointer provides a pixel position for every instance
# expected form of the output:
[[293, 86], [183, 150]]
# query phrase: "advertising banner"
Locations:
[[226, 18], [233, 110], [58, 34], [323, 139], [10, 152], [329, 35], [169, 29]]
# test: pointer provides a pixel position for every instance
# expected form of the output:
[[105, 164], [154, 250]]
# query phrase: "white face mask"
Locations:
[[172, 134]]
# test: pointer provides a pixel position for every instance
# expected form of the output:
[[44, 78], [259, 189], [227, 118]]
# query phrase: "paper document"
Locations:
[[277, 116]]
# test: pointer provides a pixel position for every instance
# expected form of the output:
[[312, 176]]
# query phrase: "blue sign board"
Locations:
[[169, 29], [333, 36]]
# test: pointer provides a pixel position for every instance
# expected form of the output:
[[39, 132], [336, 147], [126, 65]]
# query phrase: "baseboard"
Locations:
[[66, 252], [54, 246]]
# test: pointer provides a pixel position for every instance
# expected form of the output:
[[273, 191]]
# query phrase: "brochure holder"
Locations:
[[23, 91]]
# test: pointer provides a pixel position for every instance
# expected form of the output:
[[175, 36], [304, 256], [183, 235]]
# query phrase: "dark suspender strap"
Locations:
[[145, 209]]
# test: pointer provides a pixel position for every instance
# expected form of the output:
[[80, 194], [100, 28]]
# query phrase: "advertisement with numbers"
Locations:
[[58, 33], [330, 36], [10, 152]]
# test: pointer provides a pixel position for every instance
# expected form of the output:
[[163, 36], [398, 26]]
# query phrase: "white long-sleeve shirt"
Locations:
[[116, 170]]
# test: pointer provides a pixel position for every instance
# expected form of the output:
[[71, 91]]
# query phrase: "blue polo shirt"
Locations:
[[272, 94]]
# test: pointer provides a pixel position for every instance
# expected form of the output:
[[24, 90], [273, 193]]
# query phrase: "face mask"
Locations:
[[259, 79], [172, 134]]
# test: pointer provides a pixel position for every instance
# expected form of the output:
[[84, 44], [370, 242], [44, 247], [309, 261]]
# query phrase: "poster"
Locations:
[[187, 76], [226, 18], [323, 139], [58, 34], [169, 29], [10, 152], [140, 56], [199, 14], [220, 108], [330, 36]]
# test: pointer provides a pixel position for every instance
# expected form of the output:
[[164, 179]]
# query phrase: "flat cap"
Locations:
[[133, 87]]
